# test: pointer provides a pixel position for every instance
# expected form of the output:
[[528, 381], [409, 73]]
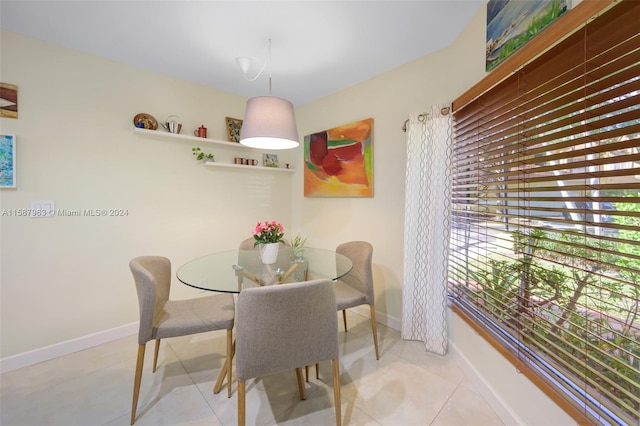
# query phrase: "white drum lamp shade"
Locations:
[[269, 123]]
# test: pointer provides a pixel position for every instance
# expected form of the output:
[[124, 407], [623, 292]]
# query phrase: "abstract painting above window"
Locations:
[[338, 162], [512, 23]]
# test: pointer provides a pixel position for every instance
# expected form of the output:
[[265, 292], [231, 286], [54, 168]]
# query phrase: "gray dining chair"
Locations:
[[247, 244], [162, 318], [285, 327], [356, 288]]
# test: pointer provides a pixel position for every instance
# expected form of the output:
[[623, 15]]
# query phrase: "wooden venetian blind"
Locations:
[[545, 241]]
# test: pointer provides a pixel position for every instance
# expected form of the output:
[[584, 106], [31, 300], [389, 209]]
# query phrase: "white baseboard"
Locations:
[[381, 317], [46, 353], [501, 408]]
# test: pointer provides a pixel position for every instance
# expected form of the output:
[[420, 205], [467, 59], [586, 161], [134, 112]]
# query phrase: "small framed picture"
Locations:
[[233, 129], [7, 161], [8, 100], [270, 160]]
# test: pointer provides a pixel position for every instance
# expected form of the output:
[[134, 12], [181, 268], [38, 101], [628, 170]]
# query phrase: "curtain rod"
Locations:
[[422, 117]]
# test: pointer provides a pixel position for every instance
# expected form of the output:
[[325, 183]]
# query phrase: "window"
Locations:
[[545, 239]]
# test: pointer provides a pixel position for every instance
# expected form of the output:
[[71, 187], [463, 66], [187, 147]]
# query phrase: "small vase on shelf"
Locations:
[[269, 253]]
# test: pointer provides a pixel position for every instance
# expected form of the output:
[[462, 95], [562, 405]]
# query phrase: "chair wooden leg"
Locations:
[[230, 360], [306, 372], [155, 355], [336, 391], [136, 382], [241, 403], [303, 395], [374, 329], [223, 373], [226, 368], [344, 319]]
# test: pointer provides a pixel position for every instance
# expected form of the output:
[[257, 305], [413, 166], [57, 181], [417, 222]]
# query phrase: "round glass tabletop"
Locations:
[[233, 270]]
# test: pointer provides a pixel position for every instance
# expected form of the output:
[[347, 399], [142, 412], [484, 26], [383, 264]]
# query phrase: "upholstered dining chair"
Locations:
[[247, 244], [356, 288], [162, 318], [285, 327]]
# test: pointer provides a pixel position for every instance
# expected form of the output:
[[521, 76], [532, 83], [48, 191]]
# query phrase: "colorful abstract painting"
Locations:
[[512, 23], [338, 162], [7, 161]]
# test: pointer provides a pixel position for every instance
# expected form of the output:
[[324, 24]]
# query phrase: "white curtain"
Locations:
[[426, 229]]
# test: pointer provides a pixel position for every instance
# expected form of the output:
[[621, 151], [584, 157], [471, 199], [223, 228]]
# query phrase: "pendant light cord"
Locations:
[[246, 61], [269, 67]]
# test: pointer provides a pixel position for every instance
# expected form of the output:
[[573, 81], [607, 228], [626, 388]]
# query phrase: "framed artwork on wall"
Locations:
[[234, 126], [8, 100], [338, 162], [269, 160], [7, 161], [512, 23]]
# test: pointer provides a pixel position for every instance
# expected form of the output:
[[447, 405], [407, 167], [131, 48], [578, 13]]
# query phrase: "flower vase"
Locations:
[[300, 273], [269, 253]]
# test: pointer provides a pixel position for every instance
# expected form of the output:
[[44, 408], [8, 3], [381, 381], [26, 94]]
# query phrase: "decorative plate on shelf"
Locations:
[[145, 121]]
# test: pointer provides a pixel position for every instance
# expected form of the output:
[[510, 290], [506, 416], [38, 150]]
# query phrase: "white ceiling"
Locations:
[[317, 48]]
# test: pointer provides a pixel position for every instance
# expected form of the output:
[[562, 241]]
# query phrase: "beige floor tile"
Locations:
[[467, 408], [401, 394], [407, 386]]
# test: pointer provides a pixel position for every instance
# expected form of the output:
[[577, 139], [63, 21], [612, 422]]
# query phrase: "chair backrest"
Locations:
[[361, 275], [286, 326], [152, 275], [247, 244]]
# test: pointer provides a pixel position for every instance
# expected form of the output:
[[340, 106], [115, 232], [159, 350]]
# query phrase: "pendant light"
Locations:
[[269, 122]]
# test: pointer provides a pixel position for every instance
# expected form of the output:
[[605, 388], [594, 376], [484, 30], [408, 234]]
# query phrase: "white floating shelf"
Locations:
[[241, 166], [167, 135]]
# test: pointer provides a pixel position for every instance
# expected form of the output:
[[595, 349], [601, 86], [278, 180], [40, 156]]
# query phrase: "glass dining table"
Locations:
[[232, 271]]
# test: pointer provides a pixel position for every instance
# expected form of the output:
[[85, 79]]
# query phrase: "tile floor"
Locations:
[[407, 386]]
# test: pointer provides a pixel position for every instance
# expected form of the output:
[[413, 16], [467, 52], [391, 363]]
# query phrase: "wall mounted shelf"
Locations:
[[239, 166], [167, 135], [226, 144]]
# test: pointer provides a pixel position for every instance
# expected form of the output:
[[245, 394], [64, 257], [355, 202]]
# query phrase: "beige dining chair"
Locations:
[[285, 327], [247, 244], [356, 288], [162, 318]]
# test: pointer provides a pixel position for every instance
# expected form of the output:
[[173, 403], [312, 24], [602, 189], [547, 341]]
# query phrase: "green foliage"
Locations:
[[200, 155], [297, 247], [550, 284]]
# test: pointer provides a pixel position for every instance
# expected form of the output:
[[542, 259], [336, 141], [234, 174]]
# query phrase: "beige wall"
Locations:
[[76, 147], [388, 99], [65, 278]]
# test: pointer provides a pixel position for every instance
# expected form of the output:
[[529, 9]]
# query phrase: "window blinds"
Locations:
[[545, 241]]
